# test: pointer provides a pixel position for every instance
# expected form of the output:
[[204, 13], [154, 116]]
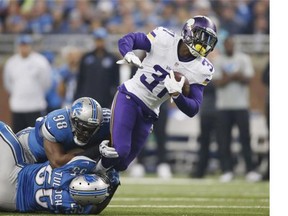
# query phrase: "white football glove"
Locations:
[[106, 151], [172, 85], [131, 58]]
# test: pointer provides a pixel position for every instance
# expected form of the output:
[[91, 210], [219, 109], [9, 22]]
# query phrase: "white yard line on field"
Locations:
[[131, 199], [189, 206], [174, 181], [177, 181]]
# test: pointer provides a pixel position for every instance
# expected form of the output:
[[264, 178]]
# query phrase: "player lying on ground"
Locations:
[[72, 188]]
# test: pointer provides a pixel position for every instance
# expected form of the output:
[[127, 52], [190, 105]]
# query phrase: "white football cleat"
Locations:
[[253, 176], [164, 171], [226, 177], [136, 171]]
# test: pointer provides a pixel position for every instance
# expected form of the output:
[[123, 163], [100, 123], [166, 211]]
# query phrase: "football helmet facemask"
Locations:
[[88, 189], [200, 35], [86, 117]]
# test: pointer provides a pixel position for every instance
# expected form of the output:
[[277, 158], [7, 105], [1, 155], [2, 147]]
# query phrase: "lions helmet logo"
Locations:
[[77, 109]]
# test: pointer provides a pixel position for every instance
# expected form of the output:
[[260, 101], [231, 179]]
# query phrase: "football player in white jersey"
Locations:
[[136, 104]]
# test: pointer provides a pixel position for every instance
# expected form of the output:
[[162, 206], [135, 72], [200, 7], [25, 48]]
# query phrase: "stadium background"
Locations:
[[50, 24]]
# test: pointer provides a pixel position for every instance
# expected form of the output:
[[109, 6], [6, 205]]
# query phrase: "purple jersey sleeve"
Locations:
[[191, 105], [133, 41]]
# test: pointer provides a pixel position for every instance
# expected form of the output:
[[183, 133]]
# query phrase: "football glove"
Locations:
[[131, 58], [106, 151], [172, 85]]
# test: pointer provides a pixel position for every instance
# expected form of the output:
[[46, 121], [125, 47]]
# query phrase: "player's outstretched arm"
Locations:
[[57, 155], [130, 42]]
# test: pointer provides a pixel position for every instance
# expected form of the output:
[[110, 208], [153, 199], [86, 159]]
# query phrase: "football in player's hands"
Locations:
[[186, 86]]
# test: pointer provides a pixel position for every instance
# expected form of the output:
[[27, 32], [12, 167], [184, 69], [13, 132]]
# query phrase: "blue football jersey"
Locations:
[[41, 188], [57, 127]]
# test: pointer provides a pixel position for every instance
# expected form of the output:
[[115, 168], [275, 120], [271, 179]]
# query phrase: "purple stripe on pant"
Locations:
[[129, 129]]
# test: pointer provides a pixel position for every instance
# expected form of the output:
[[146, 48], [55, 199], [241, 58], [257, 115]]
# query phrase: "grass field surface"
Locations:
[[183, 197]]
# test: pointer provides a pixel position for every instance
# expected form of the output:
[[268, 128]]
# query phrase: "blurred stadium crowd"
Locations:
[[122, 16]]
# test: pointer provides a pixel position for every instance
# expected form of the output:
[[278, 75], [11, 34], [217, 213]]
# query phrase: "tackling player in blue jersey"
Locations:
[[136, 104], [84, 125], [72, 188]]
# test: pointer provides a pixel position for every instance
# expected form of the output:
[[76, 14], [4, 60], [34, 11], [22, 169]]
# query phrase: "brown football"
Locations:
[[186, 86]]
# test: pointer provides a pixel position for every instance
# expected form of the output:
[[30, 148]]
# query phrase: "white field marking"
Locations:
[[174, 181], [195, 199], [189, 206], [178, 181]]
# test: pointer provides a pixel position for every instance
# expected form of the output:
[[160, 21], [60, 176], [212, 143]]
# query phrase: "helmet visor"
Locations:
[[205, 38], [199, 40]]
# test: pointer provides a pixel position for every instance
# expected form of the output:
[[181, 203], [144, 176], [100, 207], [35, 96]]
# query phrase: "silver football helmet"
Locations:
[[88, 189], [86, 117]]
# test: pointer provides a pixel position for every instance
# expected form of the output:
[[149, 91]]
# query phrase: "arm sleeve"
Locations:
[[133, 41], [191, 105]]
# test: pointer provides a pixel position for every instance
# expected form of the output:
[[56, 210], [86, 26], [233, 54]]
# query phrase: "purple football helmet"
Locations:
[[200, 35]]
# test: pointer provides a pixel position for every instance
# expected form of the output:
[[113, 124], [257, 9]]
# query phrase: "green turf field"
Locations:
[[183, 196]]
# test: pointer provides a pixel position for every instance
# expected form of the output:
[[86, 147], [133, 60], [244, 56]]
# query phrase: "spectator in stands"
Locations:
[[86, 8], [42, 21], [27, 78], [14, 22], [168, 18], [259, 23], [123, 20], [123, 16], [227, 17], [208, 115], [98, 72], [234, 72], [75, 24], [58, 20]]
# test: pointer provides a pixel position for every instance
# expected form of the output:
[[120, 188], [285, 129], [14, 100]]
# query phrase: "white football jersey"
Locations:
[[148, 83]]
